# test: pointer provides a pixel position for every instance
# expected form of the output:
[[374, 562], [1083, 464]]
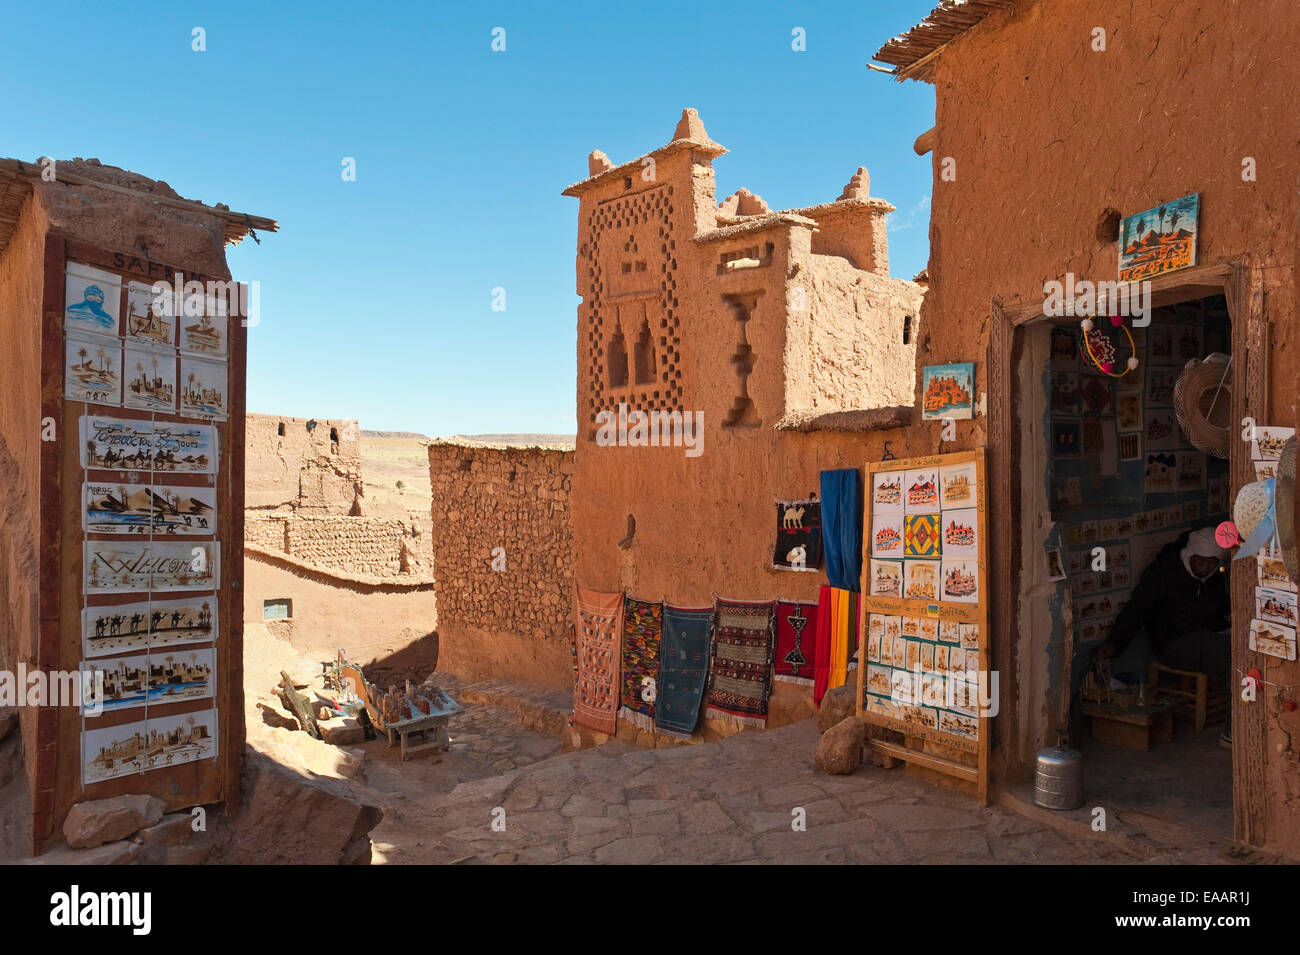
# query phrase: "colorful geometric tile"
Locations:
[[921, 535]]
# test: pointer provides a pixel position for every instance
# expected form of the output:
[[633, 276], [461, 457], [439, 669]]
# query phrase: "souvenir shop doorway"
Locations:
[[1134, 476]]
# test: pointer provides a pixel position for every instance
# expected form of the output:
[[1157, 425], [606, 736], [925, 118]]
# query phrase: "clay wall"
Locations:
[[511, 622], [21, 287], [1182, 96], [859, 346], [128, 233], [367, 617]]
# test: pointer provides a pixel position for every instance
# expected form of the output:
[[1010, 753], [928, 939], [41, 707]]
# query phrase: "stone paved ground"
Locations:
[[726, 802]]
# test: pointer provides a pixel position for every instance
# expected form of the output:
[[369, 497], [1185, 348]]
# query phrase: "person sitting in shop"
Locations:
[[1181, 603]]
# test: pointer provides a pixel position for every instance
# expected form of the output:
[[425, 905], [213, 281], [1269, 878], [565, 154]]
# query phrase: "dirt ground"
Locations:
[[384, 462]]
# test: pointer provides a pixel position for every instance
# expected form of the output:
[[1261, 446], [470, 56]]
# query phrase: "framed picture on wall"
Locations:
[[1160, 239]]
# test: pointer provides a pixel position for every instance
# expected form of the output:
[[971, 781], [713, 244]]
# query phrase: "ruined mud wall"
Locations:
[[1045, 135], [303, 464], [509, 623]]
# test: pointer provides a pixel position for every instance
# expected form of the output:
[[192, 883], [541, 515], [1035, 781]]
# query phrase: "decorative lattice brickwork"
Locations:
[[630, 265]]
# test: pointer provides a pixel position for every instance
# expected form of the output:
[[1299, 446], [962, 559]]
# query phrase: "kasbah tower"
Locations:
[[784, 329]]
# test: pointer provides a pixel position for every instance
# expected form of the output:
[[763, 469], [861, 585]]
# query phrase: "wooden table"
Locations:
[[431, 726], [1132, 727]]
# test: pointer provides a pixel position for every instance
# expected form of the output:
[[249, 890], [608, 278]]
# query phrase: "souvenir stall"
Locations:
[[147, 522], [925, 682]]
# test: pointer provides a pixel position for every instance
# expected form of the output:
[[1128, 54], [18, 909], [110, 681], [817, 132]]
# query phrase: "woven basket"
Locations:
[[1203, 403]]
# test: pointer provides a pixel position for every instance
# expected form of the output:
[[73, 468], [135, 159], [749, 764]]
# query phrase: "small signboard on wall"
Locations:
[[925, 667]]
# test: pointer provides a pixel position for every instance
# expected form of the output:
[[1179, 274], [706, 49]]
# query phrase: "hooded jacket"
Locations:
[[1170, 603]]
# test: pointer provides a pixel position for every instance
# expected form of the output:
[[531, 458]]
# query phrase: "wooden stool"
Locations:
[[1190, 689]]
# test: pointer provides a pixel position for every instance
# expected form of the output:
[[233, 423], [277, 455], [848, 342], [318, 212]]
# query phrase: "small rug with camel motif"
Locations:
[[798, 535]]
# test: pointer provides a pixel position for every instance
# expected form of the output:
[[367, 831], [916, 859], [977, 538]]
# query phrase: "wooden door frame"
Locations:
[[1243, 287]]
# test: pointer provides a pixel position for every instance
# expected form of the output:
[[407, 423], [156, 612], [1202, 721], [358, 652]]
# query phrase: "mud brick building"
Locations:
[[783, 329], [1041, 142]]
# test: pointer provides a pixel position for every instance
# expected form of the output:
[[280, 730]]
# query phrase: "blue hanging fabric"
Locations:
[[841, 493]]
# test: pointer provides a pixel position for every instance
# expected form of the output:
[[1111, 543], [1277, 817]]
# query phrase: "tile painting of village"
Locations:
[[152, 679], [148, 624], [1159, 240], [151, 384], [204, 335], [148, 744], [205, 387], [148, 509], [948, 391], [135, 444]]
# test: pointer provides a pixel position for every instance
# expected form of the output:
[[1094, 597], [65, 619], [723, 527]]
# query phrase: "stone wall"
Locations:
[[511, 622], [360, 546]]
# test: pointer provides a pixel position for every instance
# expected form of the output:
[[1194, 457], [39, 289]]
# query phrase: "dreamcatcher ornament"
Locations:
[[1101, 350]]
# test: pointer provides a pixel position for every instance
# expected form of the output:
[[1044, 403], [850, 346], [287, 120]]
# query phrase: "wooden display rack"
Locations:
[[934, 749]]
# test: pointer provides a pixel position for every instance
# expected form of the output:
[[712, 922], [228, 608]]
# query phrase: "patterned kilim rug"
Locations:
[[740, 674], [683, 669], [796, 642], [598, 621], [642, 626]]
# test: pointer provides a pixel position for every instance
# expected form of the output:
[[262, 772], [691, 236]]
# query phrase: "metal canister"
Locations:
[[1058, 780]]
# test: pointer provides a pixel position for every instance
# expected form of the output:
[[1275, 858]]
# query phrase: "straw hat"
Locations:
[[1206, 385], [1253, 502], [1284, 498]]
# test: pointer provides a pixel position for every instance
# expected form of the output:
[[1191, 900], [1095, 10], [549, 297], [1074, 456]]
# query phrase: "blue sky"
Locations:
[[376, 294]]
